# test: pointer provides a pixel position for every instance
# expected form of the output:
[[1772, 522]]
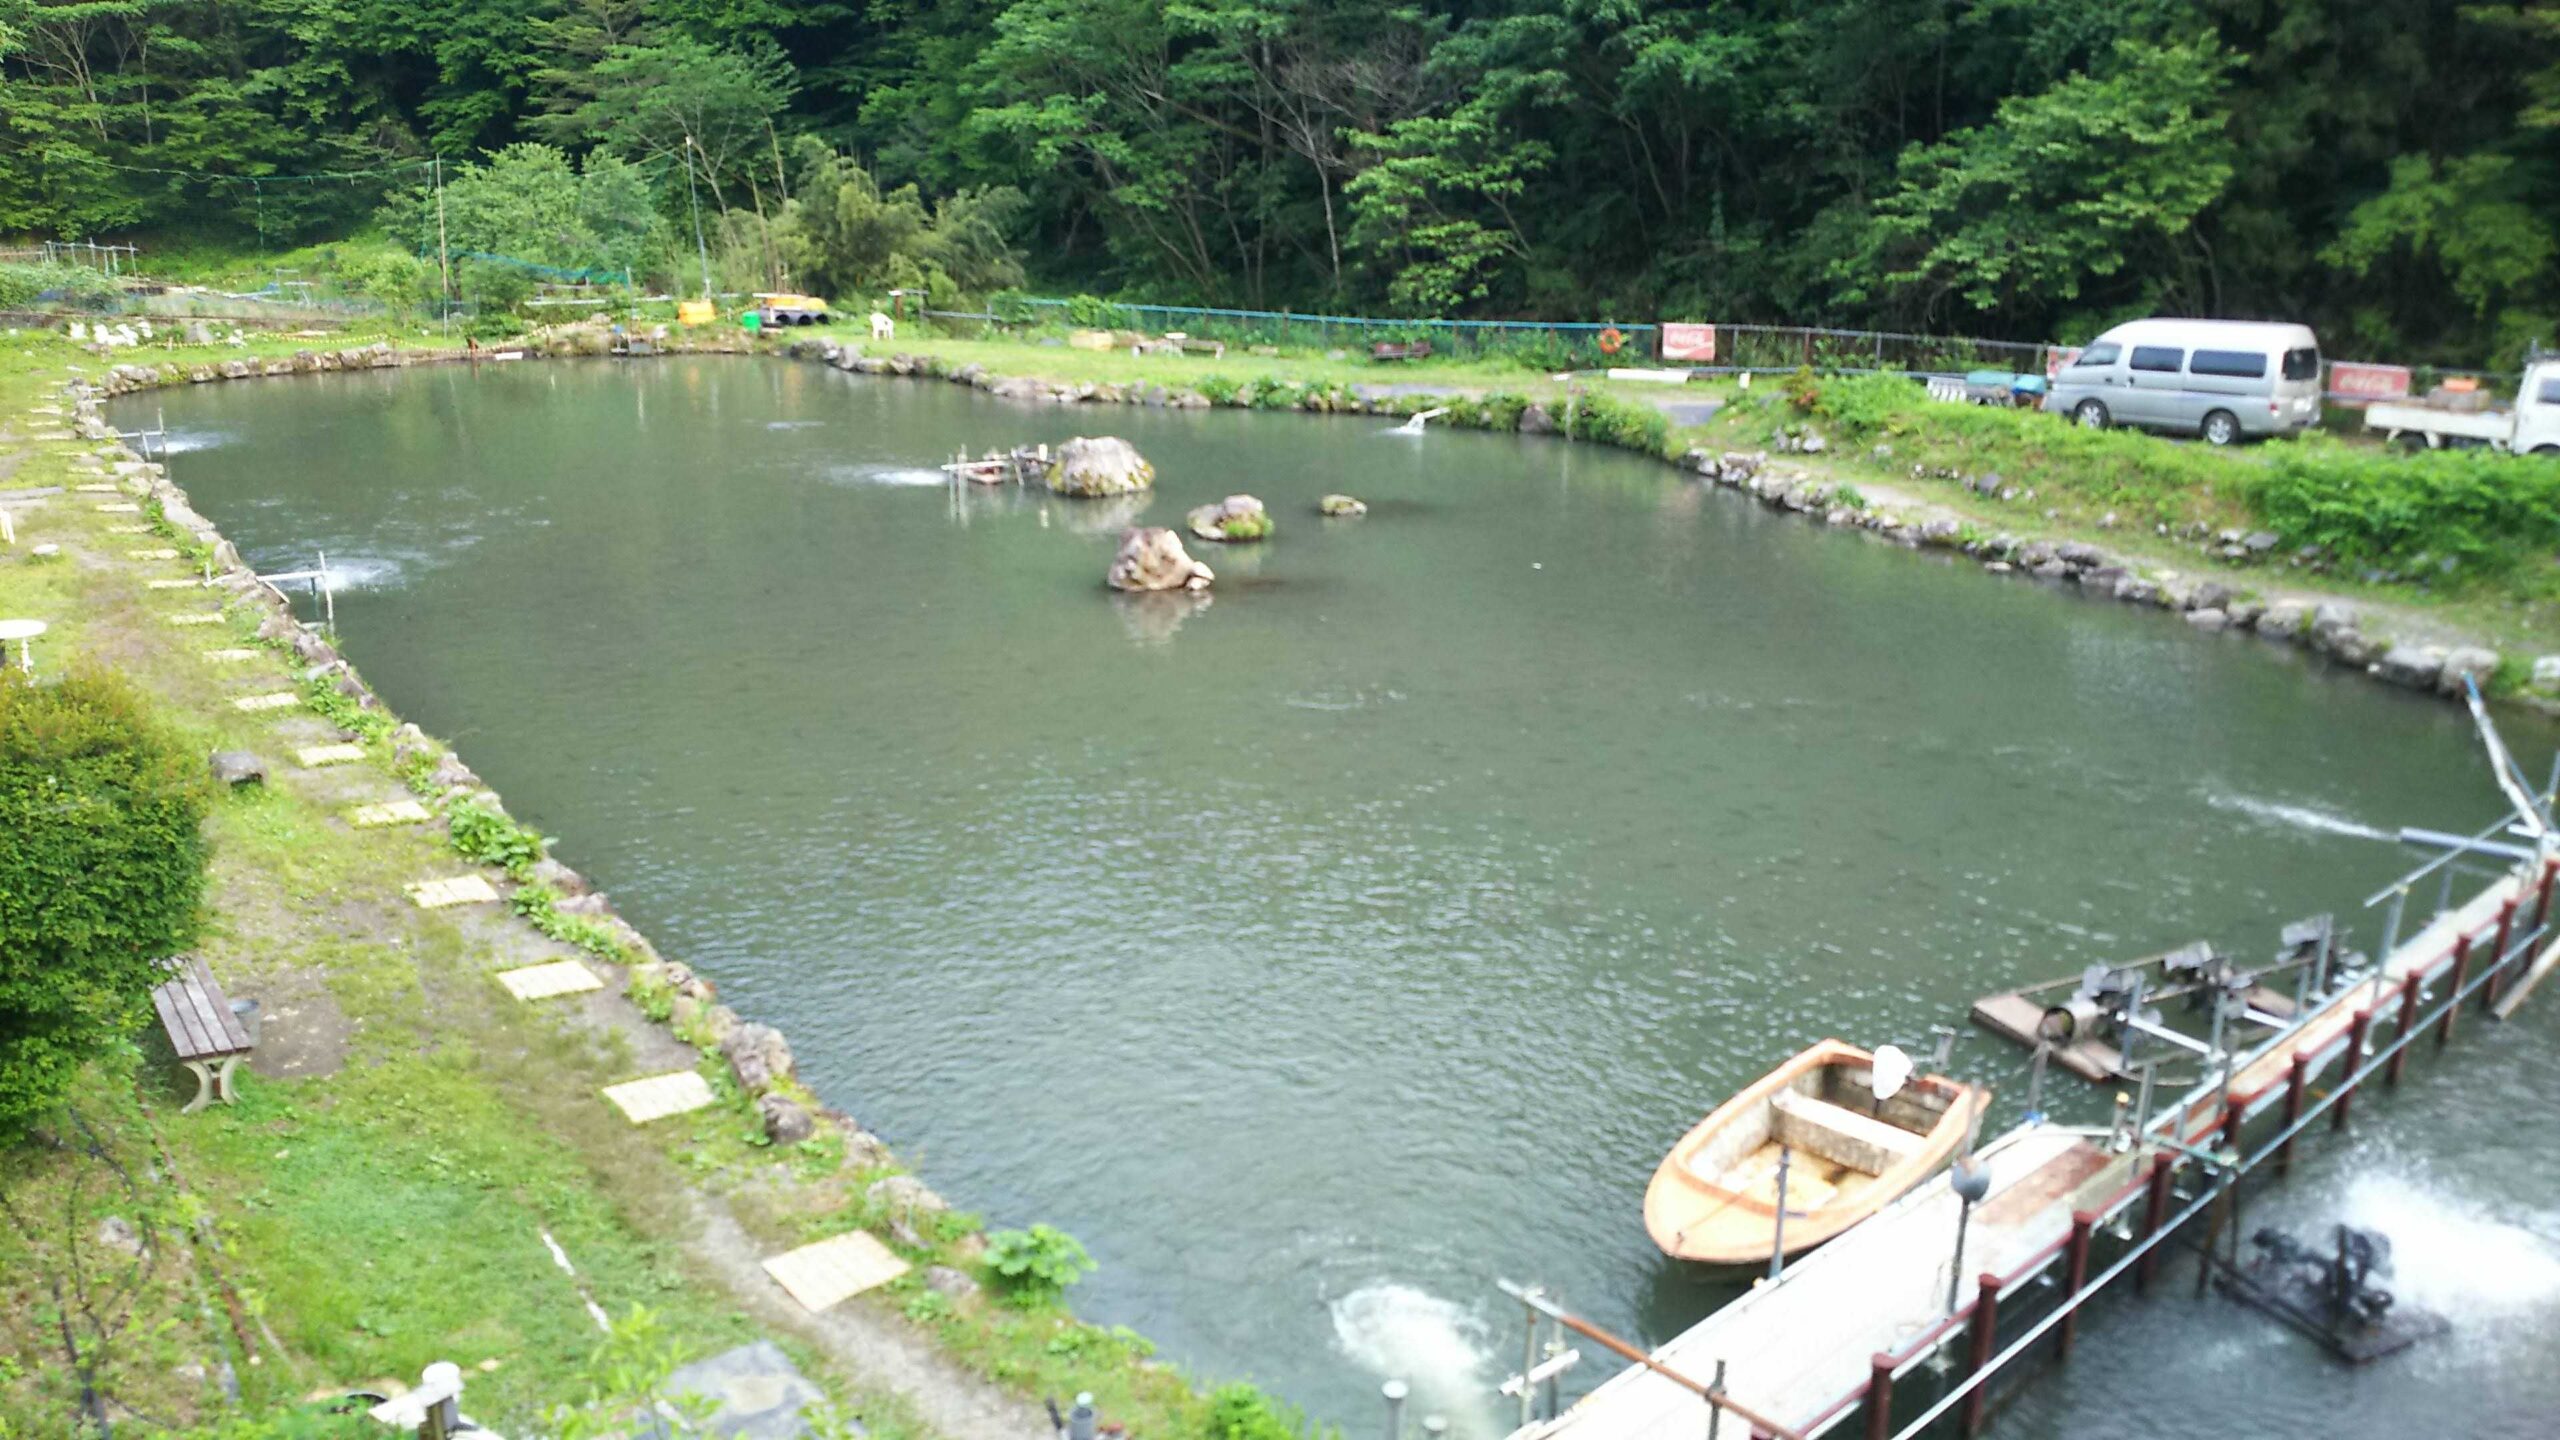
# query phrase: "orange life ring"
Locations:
[[1612, 340]]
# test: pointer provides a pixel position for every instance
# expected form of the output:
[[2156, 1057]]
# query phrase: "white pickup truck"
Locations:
[[2532, 428]]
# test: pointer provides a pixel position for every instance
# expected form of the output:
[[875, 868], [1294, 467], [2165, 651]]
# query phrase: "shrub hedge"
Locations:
[[102, 863]]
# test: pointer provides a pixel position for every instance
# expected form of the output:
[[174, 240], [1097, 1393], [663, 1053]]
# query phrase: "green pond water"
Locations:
[[1323, 953]]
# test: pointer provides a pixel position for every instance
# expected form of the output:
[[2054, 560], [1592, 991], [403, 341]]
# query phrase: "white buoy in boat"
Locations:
[[1892, 1068]]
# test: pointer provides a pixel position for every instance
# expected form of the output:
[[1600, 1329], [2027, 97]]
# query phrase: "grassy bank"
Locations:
[[414, 1141]]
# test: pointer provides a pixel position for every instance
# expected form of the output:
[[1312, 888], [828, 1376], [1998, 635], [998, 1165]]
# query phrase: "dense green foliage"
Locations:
[[1242, 1412], [2441, 518], [1037, 1263], [101, 875], [2434, 515], [2389, 171]]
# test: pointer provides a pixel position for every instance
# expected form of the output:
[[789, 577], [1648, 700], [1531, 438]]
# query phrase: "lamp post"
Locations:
[[1971, 1180]]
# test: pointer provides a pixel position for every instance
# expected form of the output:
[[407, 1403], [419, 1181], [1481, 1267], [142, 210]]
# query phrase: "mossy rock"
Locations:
[[1234, 520], [1341, 506]]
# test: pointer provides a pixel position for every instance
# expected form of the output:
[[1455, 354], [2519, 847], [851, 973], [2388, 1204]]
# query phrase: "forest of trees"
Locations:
[[2389, 169]]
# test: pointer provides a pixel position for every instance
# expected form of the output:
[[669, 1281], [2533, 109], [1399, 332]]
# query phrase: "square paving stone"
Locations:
[[389, 812], [655, 1097], [279, 700], [832, 1271], [460, 890], [542, 982], [312, 757]]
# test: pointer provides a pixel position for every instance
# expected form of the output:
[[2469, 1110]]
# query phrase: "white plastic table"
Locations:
[[21, 631]]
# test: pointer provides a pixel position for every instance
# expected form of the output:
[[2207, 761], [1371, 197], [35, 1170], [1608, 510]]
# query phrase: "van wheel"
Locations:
[[2544, 450], [2092, 414], [2221, 428]]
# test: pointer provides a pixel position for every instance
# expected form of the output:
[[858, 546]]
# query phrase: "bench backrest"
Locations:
[[197, 1014]]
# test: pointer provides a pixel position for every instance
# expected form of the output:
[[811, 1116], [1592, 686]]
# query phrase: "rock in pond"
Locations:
[[1341, 505], [1236, 518], [1100, 465], [1152, 558]]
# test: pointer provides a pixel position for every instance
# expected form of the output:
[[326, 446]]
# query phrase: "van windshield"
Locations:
[[2303, 364], [2098, 355]]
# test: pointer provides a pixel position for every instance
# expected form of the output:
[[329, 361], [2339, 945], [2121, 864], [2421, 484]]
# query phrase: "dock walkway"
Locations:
[[1800, 1350]]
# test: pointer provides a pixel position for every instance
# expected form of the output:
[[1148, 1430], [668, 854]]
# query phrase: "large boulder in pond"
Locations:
[[1152, 558], [1100, 465], [1236, 518]]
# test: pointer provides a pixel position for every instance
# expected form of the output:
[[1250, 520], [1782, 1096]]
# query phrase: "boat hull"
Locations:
[[1814, 1124]]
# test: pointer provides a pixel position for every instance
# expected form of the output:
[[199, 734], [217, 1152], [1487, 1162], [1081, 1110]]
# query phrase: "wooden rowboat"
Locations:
[[1714, 1198]]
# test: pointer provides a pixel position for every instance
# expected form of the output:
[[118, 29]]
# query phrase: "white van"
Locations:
[[2221, 379]]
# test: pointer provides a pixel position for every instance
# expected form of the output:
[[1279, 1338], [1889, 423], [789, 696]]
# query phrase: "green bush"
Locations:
[[1627, 424], [486, 835], [1091, 312], [101, 875], [1038, 1263], [1242, 1412], [2454, 514], [21, 284]]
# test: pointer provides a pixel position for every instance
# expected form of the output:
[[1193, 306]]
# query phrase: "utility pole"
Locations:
[[696, 201], [444, 258]]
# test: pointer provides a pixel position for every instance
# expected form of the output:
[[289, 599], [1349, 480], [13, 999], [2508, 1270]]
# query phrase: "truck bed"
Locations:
[[2494, 426]]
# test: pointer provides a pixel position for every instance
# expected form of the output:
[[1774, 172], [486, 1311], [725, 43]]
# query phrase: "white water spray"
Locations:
[[2299, 817], [1398, 1332], [2454, 1257]]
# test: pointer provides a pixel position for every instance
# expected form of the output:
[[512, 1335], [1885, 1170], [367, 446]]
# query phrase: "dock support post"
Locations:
[[2401, 1033], [1986, 1324], [2076, 1274], [2542, 902], [2498, 951], [2297, 1080], [2453, 1002], [2155, 1212], [1395, 1391], [1879, 1396], [2233, 1112], [2356, 1033]]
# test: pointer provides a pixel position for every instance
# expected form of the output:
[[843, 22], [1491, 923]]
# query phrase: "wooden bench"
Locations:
[[207, 1037], [1840, 1135], [1393, 350]]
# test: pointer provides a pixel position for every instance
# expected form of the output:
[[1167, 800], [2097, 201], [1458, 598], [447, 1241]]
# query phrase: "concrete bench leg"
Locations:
[[204, 1087], [222, 1080]]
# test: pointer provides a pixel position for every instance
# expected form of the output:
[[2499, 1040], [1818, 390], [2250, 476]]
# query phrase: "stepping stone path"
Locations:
[[547, 981], [230, 657], [390, 812], [460, 890], [832, 1271], [312, 757], [121, 507], [655, 1097], [277, 700], [160, 554], [128, 529], [196, 619], [176, 585], [94, 490]]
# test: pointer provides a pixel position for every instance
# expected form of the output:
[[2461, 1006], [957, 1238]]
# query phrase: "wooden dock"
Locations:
[[1819, 1350]]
